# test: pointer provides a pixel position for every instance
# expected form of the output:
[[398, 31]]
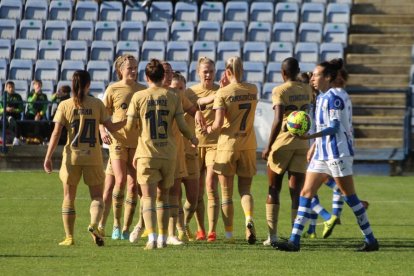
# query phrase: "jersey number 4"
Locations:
[[156, 122], [87, 135]]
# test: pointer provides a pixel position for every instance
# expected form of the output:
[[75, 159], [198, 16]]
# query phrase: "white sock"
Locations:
[[152, 237]]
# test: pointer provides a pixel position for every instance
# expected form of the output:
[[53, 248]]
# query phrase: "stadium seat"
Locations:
[[111, 11], [3, 71], [307, 66], [227, 49], [86, 11], [328, 51], [31, 29], [180, 66], [262, 12], [97, 88], [212, 11], [99, 70], [26, 49], [141, 71], [267, 90], [76, 50], [5, 49], [82, 30], [127, 47], [8, 29], [153, 49], [208, 31], [313, 12], [237, 11], [21, 87], [50, 50], [21, 69], [36, 10], [192, 72], [287, 12], [185, 11], [102, 50], [335, 33], [68, 67], [274, 72], [178, 51], [46, 70], [220, 68], [259, 31], [56, 30], [284, 32], [11, 9], [204, 49], [136, 13], [161, 11], [106, 30], [132, 31], [253, 71], [338, 13], [307, 52], [157, 31], [310, 32], [60, 10], [279, 51], [234, 31], [182, 31], [255, 51]]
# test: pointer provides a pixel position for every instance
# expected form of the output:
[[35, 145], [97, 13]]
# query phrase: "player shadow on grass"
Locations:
[[28, 256]]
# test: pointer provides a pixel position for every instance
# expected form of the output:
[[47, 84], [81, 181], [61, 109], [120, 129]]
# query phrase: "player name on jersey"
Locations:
[[239, 98], [157, 102], [82, 111]]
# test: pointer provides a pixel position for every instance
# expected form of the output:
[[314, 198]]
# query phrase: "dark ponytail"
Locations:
[[154, 70], [80, 80], [331, 68]]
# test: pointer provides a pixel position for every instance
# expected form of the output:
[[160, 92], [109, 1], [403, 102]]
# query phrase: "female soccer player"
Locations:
[[235, 106], [333, 156], [122, 144], [82, 154], [154, 109]]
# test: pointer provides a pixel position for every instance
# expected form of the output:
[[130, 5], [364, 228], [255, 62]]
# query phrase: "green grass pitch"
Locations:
[[31, 228]]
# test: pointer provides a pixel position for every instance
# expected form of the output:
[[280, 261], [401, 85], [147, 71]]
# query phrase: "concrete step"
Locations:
[[381, 29], [378, 79], [359, 121], [382, 2], [378, 59], [382, 19], [377, 69], [389, 8], [383, 99], [401, 39], [379, 131], [372, 143], [378, 110], [380, 49], [378, 86]]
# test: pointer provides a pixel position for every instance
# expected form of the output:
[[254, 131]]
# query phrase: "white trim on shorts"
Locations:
[[339, 167]]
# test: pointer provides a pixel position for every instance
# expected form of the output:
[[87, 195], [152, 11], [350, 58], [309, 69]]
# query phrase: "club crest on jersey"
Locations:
[[124, 106]]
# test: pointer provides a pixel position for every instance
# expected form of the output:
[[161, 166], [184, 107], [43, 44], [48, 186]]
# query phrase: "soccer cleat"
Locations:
[[288, 246], [328, 226], [151, 245], [201, 236], [116, 233], [161, 244], [269, 241], [369, 247], [144, 234], [250, 233], [67, 241], [125, 235], [212, 237], [307, 235], [97, 238], [101, 231], [135, 235], [173, 240]]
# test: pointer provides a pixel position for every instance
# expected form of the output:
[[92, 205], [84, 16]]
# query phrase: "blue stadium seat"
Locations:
[[192, 72], [310, 32], [11, 9], [36, 10], [274, 72], [178, 51], [259, 31], [212, 11], [157, 31], [255, 51], [99, 70], [262, 12], [279, 51], [50, 50], [141, 71], [267, 90], [227, 49], [3, 71], [132, 31], [220, 68], [127, 47], [106, 30], [5, 49], [208, 31], [26, 49], [307, 52], [307, 66], [82, 30], [136, 13], [60, 10], [56, 30], [204, 49], [8, 29], [253, 71], [68, 67], [76, 50], [338, 13], [335, 32], [97, 89], [284, 32], [153, 49], [31, 29], [111, 11], [182, 31], [21, 87], [234, 31], [237, 11], [102, 50], [185, 11], [287, 12], [86, 11], [161, 11], [21, 69], [46, 70], [313, 12], [180, 66], [328, 51]]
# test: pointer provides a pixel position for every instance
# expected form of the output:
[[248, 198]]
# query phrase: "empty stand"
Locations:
[[153, 49], [212, 11], [234, 31], [111, 11], [157, 31], [56, 30], [46, 70], [255, 51], [278, 51], [237, 11], [287, 12], [86, 10], [178, 51], [50, 50], [132, 31], [21, 69], [36, 10], [31, 29], [262, 12], [259, 31], [185, 11], [227, 49], [127, 47], [102, 50], [68, 67], [182, 31], [82, 30], [161, 11], [60, 10], [76, 50], [106, 30], [208, 31], [26, 49], [204, 49], [99, 70], [253, 71], [8, 29]]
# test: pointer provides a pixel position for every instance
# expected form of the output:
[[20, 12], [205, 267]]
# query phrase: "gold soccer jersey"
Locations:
[[116, 99], [82, 124], [293, 96], [239, 101]]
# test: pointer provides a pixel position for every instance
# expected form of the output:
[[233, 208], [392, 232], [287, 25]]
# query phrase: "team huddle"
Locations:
[[164, 135]]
